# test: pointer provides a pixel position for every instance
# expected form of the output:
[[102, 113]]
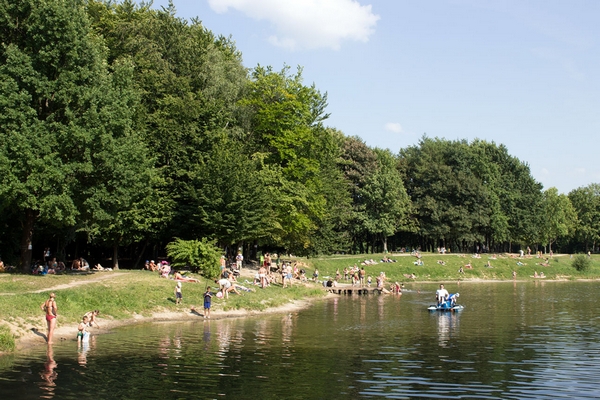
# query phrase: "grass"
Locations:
[[560, 267], [7, 340]]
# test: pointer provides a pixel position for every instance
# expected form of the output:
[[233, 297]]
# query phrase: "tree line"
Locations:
[[123, 127]]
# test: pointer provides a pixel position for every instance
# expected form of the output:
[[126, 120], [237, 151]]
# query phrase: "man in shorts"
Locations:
[[441, 295]]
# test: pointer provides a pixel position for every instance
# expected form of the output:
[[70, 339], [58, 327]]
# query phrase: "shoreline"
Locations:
[[36, 337]]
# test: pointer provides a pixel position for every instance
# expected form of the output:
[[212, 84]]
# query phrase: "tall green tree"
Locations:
[[387, 207], [54, 78], [285, 125], [586, 201], [190, 82], [559, 217]]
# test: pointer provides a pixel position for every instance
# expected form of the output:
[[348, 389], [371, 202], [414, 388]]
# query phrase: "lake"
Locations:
[[521, 340]]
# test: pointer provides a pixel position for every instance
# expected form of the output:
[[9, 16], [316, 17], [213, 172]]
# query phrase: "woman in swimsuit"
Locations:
[[49, 306]]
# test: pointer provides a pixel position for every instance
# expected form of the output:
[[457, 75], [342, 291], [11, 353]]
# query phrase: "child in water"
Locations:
[[82, 333]]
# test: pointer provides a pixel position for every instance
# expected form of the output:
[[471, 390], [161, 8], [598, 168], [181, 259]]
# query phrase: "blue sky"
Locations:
[[520, 73]]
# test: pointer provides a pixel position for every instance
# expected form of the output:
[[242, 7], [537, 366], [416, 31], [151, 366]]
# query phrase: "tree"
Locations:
[[285, 124], [559, 217], [54, 79], [386, 204], [586, 201]]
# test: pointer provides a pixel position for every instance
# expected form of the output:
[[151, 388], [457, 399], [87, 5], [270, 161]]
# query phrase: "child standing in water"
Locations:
[[207, 299], [178, 294], [82, 329]]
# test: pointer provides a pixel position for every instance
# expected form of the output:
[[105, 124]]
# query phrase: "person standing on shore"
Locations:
[[51, 310], [207, 300]]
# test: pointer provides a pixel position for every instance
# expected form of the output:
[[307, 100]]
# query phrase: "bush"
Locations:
[[7, 340], [581, 263], [199, 255]]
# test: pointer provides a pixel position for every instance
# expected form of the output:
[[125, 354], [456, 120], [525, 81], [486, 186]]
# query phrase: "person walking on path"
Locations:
[[51, 310]]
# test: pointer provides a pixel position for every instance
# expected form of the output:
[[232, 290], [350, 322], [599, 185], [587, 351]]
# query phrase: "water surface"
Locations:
[[513, 341]]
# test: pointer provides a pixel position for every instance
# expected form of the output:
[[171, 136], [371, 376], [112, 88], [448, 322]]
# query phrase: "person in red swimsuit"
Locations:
[[51, 310]]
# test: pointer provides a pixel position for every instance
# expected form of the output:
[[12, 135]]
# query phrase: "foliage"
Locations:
[[199, 255], [467, 194], [581, 263], [559, 217], [586, 201]]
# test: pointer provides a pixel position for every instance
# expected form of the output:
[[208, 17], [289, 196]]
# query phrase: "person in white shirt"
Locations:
[[441, 295]]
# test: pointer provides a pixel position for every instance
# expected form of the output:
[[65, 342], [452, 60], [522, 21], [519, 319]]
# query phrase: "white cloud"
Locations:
[[544, 171], [308, 24], [394, 127]]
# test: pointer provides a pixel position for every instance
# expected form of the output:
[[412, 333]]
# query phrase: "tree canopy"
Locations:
[[123, 127]]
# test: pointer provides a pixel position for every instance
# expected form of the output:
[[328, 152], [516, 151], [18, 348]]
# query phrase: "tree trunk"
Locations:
[[26, 240], [115, 256], [137, 262], [384, 240]]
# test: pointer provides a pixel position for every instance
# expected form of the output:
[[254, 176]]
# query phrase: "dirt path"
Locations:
[[93, 279]]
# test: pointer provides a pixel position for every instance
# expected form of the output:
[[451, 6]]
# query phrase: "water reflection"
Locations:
[[49, 374]]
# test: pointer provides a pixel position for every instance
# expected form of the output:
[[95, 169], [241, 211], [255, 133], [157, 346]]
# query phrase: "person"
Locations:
[[1, 265], [316, 275], [262, 276], [76, 265], [178, 294], [225, 287], [51, 310], [91, 316], [180, 278], [514, 275], [362, 275], [223, 265], [441, 295], [239, 259], [82, 333], [207, 299], [287, 271]]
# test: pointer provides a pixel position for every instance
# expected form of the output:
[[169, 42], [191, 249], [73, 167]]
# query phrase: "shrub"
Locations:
[[199, 255], [581, 263]]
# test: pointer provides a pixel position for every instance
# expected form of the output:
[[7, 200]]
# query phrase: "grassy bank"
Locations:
[[119, 296], [502, 267]]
